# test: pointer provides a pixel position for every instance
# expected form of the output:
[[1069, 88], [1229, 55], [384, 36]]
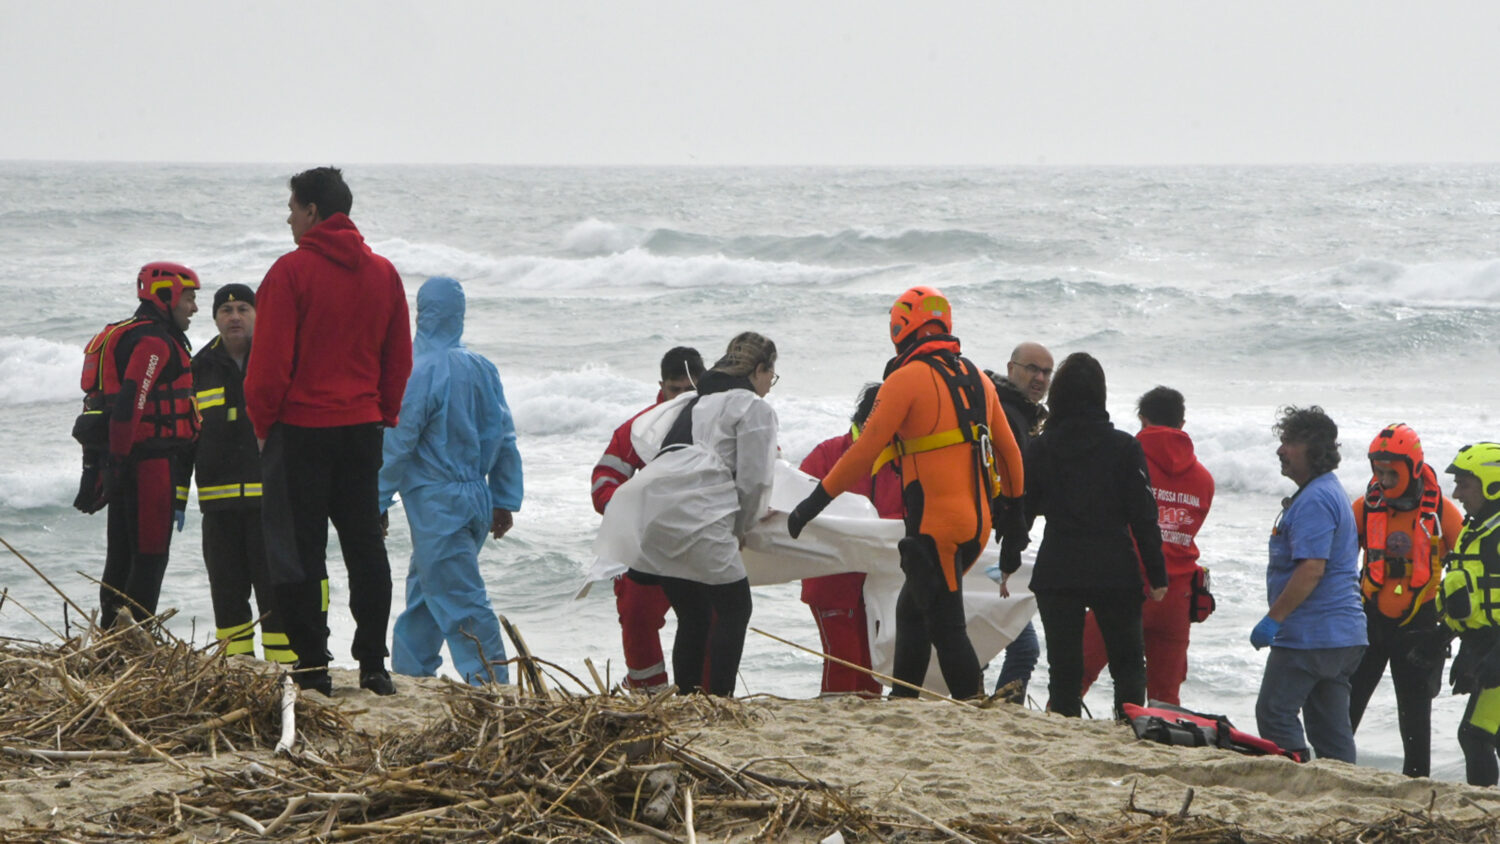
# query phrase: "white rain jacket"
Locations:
[[684, 514]]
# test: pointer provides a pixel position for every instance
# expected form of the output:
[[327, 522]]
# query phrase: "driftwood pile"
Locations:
[[502, 767], [499, 762], [135, 691]]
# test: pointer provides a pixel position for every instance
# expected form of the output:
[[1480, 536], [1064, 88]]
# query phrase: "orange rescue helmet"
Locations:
[[1398, 445], [162, 283], [917, 307]]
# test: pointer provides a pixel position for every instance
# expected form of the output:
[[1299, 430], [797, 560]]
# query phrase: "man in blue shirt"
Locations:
[[453, 458], [1315, 625]]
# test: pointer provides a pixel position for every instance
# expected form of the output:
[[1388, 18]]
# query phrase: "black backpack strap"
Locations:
[[680, 434], [1222, 735], [1178, 734], [967, 394]]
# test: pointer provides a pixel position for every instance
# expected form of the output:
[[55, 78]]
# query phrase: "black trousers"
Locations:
[[1118, 612], [711, 622], [234, 552], [1415, 685], [929, 617], [139, 536], [311, 476]]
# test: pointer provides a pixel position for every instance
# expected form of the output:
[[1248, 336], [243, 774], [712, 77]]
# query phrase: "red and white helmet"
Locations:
[[162, 283]]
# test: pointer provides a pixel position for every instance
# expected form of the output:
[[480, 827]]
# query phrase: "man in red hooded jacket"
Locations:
[[332, 354], [1184, 490]]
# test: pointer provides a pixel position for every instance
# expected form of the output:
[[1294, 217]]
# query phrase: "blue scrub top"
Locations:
[[1318, 524]]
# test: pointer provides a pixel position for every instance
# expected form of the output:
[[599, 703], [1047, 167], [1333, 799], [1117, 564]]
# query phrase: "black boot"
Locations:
[[377, 680]]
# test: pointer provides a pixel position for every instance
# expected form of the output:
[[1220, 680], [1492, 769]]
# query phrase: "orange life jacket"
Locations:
[[1415, 563]]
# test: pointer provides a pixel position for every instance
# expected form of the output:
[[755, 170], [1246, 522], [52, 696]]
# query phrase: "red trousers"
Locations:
[[846, 636], [1166, 627], [139, 535], [643, 612]]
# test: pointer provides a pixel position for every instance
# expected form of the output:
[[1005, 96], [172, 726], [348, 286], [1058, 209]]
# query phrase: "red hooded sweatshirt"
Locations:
[[1184, 490], [332, 335]]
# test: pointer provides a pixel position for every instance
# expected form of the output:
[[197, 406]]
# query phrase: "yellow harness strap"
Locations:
[[931, 442], [1434, 581], [1427, 593]]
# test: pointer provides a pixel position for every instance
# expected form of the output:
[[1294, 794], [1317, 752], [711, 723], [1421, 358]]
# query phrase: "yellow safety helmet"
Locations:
[[1482, 460]]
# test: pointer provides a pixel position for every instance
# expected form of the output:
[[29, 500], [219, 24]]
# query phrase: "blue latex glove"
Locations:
[[1265, 631], [179, 518]]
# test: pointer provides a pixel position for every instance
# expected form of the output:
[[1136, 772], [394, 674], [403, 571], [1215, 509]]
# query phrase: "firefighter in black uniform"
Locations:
[[227, 464]]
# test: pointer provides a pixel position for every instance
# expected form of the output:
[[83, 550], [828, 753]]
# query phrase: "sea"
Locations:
[[1368, 290]]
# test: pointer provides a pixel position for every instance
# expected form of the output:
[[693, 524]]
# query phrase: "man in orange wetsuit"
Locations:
[[1406, 527], [938, 417], [837, 601], [642, 608]]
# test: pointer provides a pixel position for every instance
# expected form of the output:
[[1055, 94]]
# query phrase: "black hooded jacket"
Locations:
[[1090, 481], [1024, 415]]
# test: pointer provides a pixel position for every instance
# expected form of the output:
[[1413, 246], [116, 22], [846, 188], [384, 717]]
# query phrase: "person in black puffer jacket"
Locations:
[[1090, 481]]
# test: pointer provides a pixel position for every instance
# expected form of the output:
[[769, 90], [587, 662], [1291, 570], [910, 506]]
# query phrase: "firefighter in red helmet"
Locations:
[[138, 421]]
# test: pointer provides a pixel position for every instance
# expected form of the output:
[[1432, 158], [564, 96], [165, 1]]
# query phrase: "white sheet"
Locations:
[[850, 536]]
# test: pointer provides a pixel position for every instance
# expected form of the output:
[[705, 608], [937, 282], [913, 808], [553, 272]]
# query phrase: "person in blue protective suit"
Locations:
[[453, 458]]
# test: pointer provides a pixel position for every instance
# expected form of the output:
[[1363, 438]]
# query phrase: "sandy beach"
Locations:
[[931, 760], [947, 762]]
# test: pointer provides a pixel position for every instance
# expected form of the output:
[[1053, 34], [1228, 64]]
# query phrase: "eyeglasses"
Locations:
[[1033, 369], [775, 376]]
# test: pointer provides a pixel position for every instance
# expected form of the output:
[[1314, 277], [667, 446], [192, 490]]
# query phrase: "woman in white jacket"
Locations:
[[704, 490]]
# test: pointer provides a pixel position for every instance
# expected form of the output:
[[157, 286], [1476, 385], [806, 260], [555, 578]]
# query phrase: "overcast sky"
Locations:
[[751, 82]]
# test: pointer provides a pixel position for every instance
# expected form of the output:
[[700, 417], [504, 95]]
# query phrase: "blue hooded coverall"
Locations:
[[454, 460]]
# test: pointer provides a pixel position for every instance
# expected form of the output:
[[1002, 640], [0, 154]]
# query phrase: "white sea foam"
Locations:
[[35, 487], [37, 370], [418, 260], [596, 237], [639, 269], [588, 402], [1242, 462], [805, 422], [1374, 281], [592, 401], [631, 269]]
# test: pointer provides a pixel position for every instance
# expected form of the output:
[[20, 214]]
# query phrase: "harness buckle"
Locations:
[[986, 448]]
